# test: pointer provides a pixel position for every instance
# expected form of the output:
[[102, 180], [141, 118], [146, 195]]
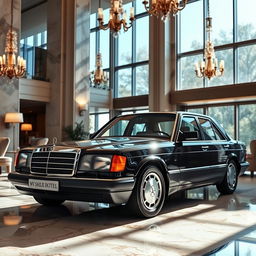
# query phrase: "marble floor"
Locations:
[[196, 222]]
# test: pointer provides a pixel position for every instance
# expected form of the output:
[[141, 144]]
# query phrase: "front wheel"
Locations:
[[47, 201], [229, 183], [149, 193]]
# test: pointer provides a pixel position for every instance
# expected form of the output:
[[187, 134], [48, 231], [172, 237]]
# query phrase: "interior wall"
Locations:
[[34, 21]]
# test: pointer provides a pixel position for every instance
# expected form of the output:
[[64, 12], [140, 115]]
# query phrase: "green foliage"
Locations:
[[77, 133]]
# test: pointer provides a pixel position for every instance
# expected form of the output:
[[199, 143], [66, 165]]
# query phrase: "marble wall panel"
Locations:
[[9, 89]]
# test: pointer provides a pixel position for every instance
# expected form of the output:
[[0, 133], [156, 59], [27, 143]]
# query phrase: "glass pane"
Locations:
[[222, 32], [104, 47], [227, 78], [224, 115], [142, 39], [30, 41], [124, 77], [142, 82], [246, 19], [247, 124], [92, 123], [44, 35], [247, 64], [39, 39], [103, 119], [191, 27], [247, 248], [196, 110], [125, 48], [92, 50], [106, 16], [140, 7], [29, 62], [187, 76], [93, 20]]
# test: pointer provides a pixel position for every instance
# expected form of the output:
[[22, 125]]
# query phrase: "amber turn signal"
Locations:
[[118, 163]]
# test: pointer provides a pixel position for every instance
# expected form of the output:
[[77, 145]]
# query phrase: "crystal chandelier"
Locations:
[[10, 66], [99, 76], [117, 18], [209, 66], [164, 7]]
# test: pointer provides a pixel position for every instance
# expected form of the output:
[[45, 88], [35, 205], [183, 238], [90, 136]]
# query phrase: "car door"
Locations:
[[190, 155], [214, 145]]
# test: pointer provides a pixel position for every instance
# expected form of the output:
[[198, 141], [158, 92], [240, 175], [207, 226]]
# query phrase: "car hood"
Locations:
[[113, 143]]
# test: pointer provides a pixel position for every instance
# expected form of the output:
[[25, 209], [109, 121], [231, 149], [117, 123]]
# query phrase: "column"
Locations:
[[161, 77], [68, 64]]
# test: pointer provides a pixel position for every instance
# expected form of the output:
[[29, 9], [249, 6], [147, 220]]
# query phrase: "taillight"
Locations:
[[118, 163]]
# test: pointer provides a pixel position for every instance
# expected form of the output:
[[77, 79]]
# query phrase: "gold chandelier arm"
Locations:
[[102, 26]]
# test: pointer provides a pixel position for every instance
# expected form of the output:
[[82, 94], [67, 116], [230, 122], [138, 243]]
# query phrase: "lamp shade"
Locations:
[[26, 127], [13, 118]]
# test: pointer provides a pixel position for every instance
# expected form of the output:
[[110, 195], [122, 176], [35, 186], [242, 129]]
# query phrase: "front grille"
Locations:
[[54, 163]]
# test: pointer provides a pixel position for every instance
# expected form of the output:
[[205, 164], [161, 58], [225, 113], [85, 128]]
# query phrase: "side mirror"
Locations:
[[190, 136]]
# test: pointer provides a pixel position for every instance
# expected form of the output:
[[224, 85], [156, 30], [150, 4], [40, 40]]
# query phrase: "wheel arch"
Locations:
[[158, 162]]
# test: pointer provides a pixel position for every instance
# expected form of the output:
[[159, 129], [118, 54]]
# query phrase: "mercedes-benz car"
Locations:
[[136, 159]]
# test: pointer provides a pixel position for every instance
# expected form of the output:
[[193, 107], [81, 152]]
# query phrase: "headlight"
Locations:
[[95, 163], [105, 163], [23, 159]]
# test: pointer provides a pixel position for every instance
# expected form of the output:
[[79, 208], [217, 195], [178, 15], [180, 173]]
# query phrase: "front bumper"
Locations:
[[116, 191]]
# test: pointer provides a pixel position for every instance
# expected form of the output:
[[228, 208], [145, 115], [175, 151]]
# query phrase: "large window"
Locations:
[[234, 40], [33, 50], [125, 57]]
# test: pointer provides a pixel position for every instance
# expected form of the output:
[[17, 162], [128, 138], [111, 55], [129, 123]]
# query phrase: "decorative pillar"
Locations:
[[9, 89], [161, 77], [68, 28]]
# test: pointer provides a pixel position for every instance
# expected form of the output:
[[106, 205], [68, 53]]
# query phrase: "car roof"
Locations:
[[168, 112]]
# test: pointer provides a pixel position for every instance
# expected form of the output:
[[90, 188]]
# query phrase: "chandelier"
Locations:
[[99, 76], [117, 18], [164, 7], [10, 66], [209, 66]]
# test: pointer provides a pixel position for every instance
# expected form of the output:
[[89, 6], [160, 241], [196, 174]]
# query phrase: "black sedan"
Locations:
[[137, 160]]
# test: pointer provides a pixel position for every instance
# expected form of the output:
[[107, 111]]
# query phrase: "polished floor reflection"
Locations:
[[195, 222]]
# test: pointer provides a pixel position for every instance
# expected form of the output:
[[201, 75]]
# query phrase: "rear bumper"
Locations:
[[116, 191], [244, 167]]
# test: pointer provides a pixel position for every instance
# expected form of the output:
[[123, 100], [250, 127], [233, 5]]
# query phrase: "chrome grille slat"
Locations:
[[54, 163]]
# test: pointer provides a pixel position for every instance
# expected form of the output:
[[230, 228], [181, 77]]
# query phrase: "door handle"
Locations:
[[226, 146], [205, 147]]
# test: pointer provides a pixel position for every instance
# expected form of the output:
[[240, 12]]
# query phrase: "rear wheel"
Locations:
[[149, 193], [228, 185], [47, 201]]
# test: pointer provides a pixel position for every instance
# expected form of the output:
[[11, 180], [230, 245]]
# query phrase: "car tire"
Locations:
[[229, 183], [148, 196], [48, 201]]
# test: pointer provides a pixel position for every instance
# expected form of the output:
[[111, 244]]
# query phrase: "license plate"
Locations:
[[48, 185]]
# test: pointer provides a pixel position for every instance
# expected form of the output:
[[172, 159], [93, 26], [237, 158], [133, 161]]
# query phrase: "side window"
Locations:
[[138, 128], [188, 124], [218, 135], [207, 129]]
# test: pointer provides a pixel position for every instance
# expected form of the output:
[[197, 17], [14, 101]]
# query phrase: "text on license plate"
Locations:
[[49, 185]]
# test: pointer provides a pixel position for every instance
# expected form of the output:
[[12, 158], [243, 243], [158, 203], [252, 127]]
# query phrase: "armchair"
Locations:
[[251, 158], [5, 161]]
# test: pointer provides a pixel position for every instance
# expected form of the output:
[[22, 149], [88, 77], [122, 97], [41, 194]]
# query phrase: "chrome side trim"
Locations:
[[203, 167]]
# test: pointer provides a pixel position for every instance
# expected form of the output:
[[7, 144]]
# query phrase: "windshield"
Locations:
[[143, 125]]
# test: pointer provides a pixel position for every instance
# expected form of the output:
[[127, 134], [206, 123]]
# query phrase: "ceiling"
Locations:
[[28, 4]]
